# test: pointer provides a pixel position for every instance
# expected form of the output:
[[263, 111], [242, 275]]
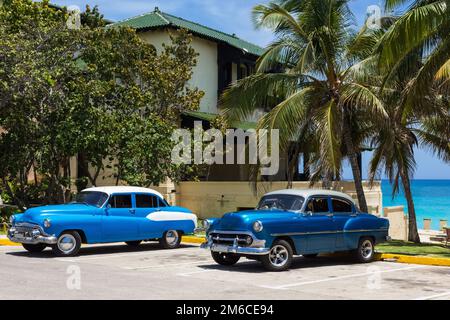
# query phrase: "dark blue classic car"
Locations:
[[103, 215], [295, 222]]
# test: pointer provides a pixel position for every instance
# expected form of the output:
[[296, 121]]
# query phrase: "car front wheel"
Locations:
[[34, 248], [225, 259], [366, 250], [170, 240], [279, 258], [68, 244]]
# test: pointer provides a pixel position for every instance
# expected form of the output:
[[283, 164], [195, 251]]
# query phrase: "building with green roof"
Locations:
[[223, 58]]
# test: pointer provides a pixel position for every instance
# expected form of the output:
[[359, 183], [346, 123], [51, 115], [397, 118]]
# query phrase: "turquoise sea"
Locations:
[[431, 199]]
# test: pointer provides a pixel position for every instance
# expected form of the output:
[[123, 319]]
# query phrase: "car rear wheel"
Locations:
[[68, 244], [366, 250], [34, 248], [171, 239], [279, 258], [225, 259], [133, 243]]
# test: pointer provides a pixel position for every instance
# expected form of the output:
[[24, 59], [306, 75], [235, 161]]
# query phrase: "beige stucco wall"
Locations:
[[398, 220], [205, 74], [213, 199]]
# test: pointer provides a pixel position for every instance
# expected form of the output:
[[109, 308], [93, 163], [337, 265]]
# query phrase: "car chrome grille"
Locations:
[[26, 229], [228, 239]]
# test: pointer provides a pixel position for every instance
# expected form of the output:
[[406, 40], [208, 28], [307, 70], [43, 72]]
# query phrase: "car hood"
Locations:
[[38, 214], [244, 220]]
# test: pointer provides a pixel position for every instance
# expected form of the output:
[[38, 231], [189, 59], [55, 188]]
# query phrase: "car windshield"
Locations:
[[281, 202], [91, 198]]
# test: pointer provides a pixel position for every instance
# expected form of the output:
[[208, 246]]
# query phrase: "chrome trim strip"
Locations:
[[232, 232], [325, 232], [235, 249]]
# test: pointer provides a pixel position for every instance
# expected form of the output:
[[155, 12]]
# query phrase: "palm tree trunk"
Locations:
[[353, 156], [413, 233]]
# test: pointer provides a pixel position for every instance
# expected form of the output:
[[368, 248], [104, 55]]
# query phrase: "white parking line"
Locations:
[[121, 255], [195, 272], [286, 286], [163, 266], [434, 296]]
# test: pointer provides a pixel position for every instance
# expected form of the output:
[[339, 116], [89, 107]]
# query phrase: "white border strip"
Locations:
[[298, 284]]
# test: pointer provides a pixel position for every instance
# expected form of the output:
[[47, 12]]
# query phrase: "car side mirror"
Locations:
[[107, 207]]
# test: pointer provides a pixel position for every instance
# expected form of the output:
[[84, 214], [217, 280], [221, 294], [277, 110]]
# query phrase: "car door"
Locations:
[[320, 225], [146, 205], [120, 223], [343, 211]]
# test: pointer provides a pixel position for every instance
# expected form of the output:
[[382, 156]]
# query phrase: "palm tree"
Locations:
[[424, 29], [395, 143], [311, 73], [414, 56]]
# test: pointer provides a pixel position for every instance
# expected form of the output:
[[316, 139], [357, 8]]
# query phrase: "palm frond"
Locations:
[[257, 91], [357, 95], [329, 131], [444, 71], [276, 18], [410, 31], [289, 115]]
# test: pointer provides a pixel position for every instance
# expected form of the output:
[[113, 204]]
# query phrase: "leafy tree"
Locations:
[[89, 93], [311, 73]]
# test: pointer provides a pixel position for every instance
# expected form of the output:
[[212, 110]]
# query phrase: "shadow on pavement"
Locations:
[[99, 250], [298, 264]]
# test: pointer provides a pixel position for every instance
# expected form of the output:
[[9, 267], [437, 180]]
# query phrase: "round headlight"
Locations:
[[12, 219], [47, 223], [257, 226], [206, 224]]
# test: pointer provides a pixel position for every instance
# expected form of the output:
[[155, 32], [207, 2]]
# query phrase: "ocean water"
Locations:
[[431, 199]]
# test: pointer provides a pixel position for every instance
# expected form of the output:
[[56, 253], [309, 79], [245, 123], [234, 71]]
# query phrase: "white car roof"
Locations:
[[312, 192], [124, 189]]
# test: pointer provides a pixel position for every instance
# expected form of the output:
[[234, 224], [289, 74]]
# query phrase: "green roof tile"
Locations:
[[158, 19]]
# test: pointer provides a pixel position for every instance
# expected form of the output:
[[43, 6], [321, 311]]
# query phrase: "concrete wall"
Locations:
[[205, 74], [213, 199], [398, 220]]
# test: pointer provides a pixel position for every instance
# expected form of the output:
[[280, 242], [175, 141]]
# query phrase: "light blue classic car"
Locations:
[[103, 215], [295, 222]]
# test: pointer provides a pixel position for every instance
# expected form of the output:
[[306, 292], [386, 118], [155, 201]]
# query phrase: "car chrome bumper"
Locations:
[[36, 238], [235, 249], [257, 247]]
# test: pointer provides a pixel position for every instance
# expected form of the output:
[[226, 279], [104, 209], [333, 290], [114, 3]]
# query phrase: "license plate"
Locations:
[[222, 248], [19, 235]]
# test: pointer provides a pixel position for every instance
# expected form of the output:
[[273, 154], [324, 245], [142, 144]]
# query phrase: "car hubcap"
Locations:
[[366, 249], [171, 237], [278, 256], [67, 243]]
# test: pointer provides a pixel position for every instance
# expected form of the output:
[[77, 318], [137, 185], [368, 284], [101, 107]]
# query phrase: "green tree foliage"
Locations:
[[99, 93]]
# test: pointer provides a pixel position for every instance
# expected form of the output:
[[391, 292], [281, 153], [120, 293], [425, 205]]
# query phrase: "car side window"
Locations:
[[341, 206], [120, 201], [318, 205], [162, 203], [146, 201]]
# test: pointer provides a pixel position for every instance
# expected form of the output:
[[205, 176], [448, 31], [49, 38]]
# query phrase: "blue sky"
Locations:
[[234, 16]]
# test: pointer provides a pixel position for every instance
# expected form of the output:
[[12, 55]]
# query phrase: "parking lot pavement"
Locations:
[[120, 272]]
